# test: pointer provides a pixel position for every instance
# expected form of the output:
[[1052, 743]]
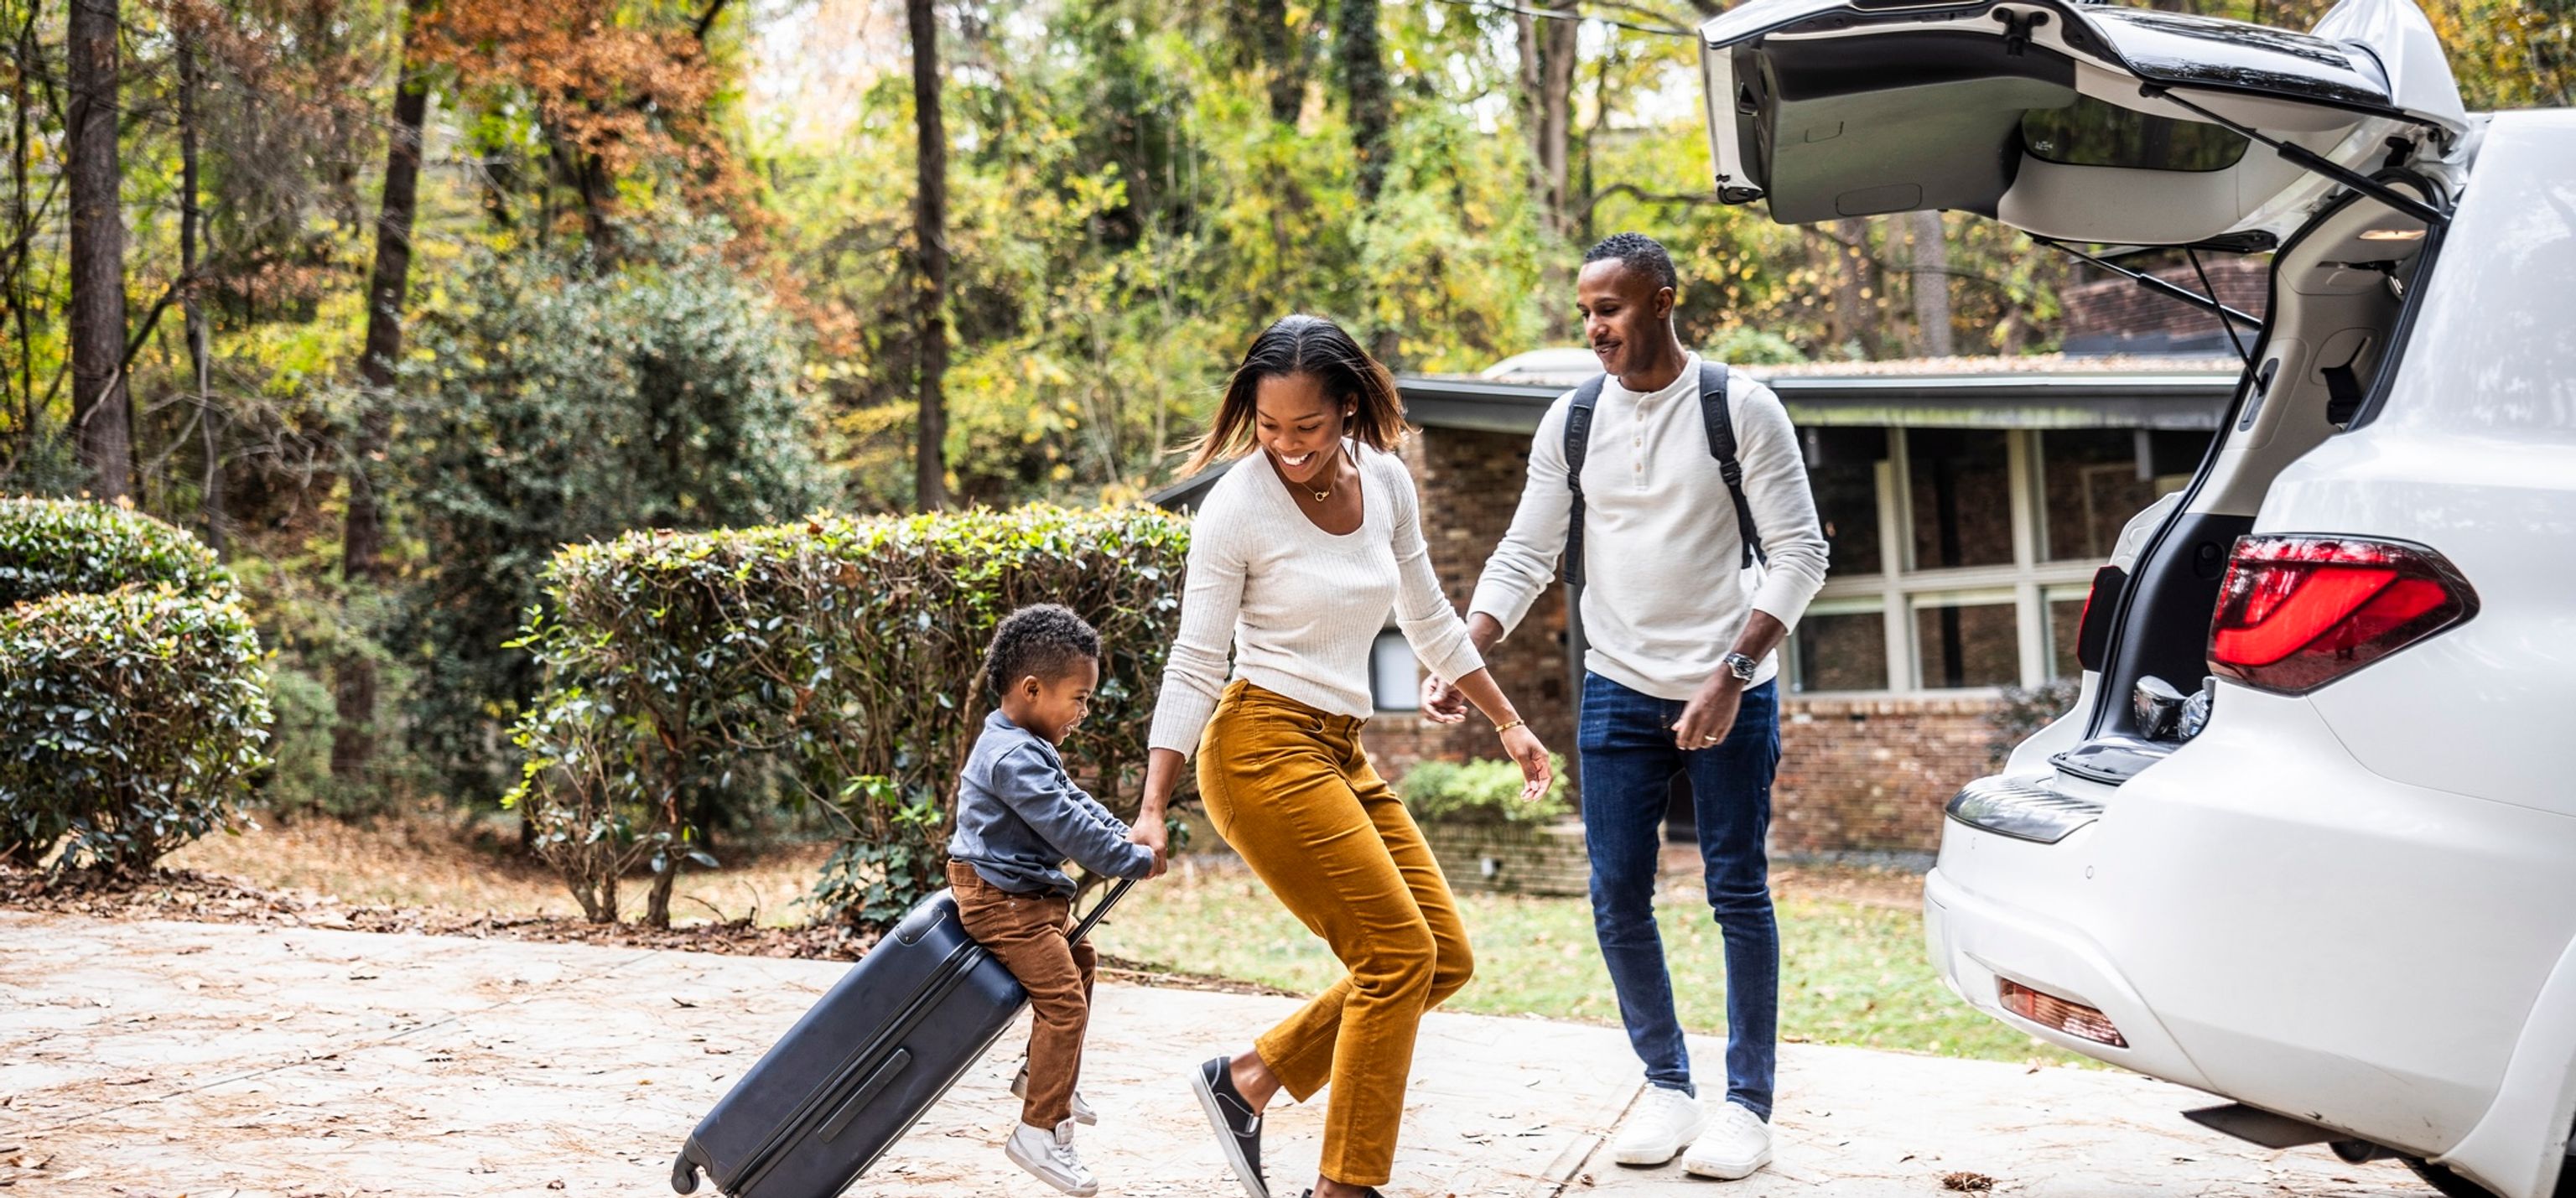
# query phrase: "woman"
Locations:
[[1295, 560]]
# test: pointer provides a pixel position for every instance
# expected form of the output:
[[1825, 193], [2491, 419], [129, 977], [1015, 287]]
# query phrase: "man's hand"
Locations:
[[1152, 835], [1442, 703], [1710, 715]]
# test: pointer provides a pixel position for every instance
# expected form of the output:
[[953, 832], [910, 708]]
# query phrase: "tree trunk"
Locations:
[[1856, 304], [353, 736], [1547, 61], [1931, 286], [930, 232], [1262, 28], [1556, 62], [22, 220], [1583, 199], [102, 414], [657, 901], [1362, 65], [210, 495]]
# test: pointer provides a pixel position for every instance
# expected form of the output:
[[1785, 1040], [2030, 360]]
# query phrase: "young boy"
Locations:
[[1019, 816]]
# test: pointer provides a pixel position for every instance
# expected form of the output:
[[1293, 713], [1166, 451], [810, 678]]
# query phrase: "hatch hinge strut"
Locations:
[[2159, 286], [2308, 159]]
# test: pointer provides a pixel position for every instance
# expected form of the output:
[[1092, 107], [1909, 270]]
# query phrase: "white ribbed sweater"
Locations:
[[1663, 598], [1298, 605]]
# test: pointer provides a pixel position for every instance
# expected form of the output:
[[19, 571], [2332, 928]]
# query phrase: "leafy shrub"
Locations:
[[1481, 792], [2024, 712], [307, 624], [1745, 345], [135, 719], [554, 400], [64, 546], [845, 651]]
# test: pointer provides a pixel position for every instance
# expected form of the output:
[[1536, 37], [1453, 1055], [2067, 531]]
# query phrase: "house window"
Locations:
[[2065, 620], [1974, 570], [1842, 469], [1966, 641], [2093, 480], [1841, 645], [1960, 497], [1395, 677]]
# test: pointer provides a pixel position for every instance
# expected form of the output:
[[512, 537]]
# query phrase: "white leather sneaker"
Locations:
[[1664, 1123], [1049, 1154], [1736, 1144], [1082, 1112]]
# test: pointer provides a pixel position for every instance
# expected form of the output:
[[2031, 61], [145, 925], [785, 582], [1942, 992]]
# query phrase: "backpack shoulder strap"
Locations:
[[1578, 438], [1716, 415]]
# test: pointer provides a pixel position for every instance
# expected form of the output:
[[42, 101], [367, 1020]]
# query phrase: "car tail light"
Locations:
[[2093, 628], [2065, 1015], [2298, 612]]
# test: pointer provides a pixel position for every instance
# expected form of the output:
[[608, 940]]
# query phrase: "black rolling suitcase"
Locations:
[[860, 1068]]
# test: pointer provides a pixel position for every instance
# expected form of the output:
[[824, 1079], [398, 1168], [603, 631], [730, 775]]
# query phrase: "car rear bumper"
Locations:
[[1976, 942]]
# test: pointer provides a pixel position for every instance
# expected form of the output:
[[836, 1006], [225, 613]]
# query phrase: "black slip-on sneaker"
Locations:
[[1237, 1125], [1372, 1193]]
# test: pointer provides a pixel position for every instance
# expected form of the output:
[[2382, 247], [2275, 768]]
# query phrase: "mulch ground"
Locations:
[[195, 897]]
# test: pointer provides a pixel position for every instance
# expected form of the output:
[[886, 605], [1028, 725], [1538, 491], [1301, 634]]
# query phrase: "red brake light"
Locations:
[[2092, 638], [2297, 612]]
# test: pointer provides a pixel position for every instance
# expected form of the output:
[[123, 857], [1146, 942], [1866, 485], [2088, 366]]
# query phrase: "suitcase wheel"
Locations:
[[684, 1174]]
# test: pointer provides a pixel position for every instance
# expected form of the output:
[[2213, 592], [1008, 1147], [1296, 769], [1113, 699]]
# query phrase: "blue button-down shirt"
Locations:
[[1019, 817]]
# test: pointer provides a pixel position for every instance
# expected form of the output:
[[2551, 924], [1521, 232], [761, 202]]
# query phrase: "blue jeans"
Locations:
[[1629, 763]]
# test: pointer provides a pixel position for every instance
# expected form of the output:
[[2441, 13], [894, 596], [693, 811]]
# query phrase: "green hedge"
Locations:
[[1480, 792], [842, 653], [135, 719], [131, 692], [62, 546]]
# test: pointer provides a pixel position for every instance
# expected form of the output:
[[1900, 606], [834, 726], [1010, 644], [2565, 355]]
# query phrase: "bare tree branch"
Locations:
[[1643, 196], [1563, 14], [708, 21]]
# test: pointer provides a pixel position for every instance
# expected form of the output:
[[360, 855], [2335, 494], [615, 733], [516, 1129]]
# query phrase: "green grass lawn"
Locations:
[[1852, 970]]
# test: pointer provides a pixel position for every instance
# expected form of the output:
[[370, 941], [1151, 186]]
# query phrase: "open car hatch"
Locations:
[[2081, 122]]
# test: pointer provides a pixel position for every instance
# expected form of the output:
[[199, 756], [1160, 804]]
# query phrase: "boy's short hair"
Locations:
[[1042, 639]]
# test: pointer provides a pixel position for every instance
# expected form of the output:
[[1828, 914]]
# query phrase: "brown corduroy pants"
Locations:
[[1028, 932], [1290, 788]]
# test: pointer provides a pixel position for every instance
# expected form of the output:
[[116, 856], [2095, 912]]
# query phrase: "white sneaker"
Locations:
[[1664, 1123], [1736, 1144], [1049, 1154], [1082, 1112]]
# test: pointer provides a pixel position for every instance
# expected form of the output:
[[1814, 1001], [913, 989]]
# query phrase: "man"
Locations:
[[1678, 673]]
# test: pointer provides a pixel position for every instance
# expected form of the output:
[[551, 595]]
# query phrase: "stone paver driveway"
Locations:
[[229, 1061]]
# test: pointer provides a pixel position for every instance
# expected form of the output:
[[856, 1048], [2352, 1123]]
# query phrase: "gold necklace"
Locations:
[[1327, 492]]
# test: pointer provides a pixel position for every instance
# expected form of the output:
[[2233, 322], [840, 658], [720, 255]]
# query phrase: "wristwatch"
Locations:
[[1742, 667]]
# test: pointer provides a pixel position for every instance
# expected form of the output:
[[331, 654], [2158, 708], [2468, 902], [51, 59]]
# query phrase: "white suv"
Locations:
[[2303, 843]]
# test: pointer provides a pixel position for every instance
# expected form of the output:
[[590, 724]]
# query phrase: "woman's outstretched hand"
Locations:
[[1536, 774]]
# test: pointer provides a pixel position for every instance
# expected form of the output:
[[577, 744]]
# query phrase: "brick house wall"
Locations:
[[1857, 774], [1871, 775], [1470, 482], [2115, 314]]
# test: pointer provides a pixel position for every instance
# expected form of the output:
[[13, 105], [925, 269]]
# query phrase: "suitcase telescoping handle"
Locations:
[[1101, 908]]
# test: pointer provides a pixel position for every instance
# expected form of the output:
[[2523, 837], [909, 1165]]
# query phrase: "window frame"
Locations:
[[2029, 581], [1412, 696]]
